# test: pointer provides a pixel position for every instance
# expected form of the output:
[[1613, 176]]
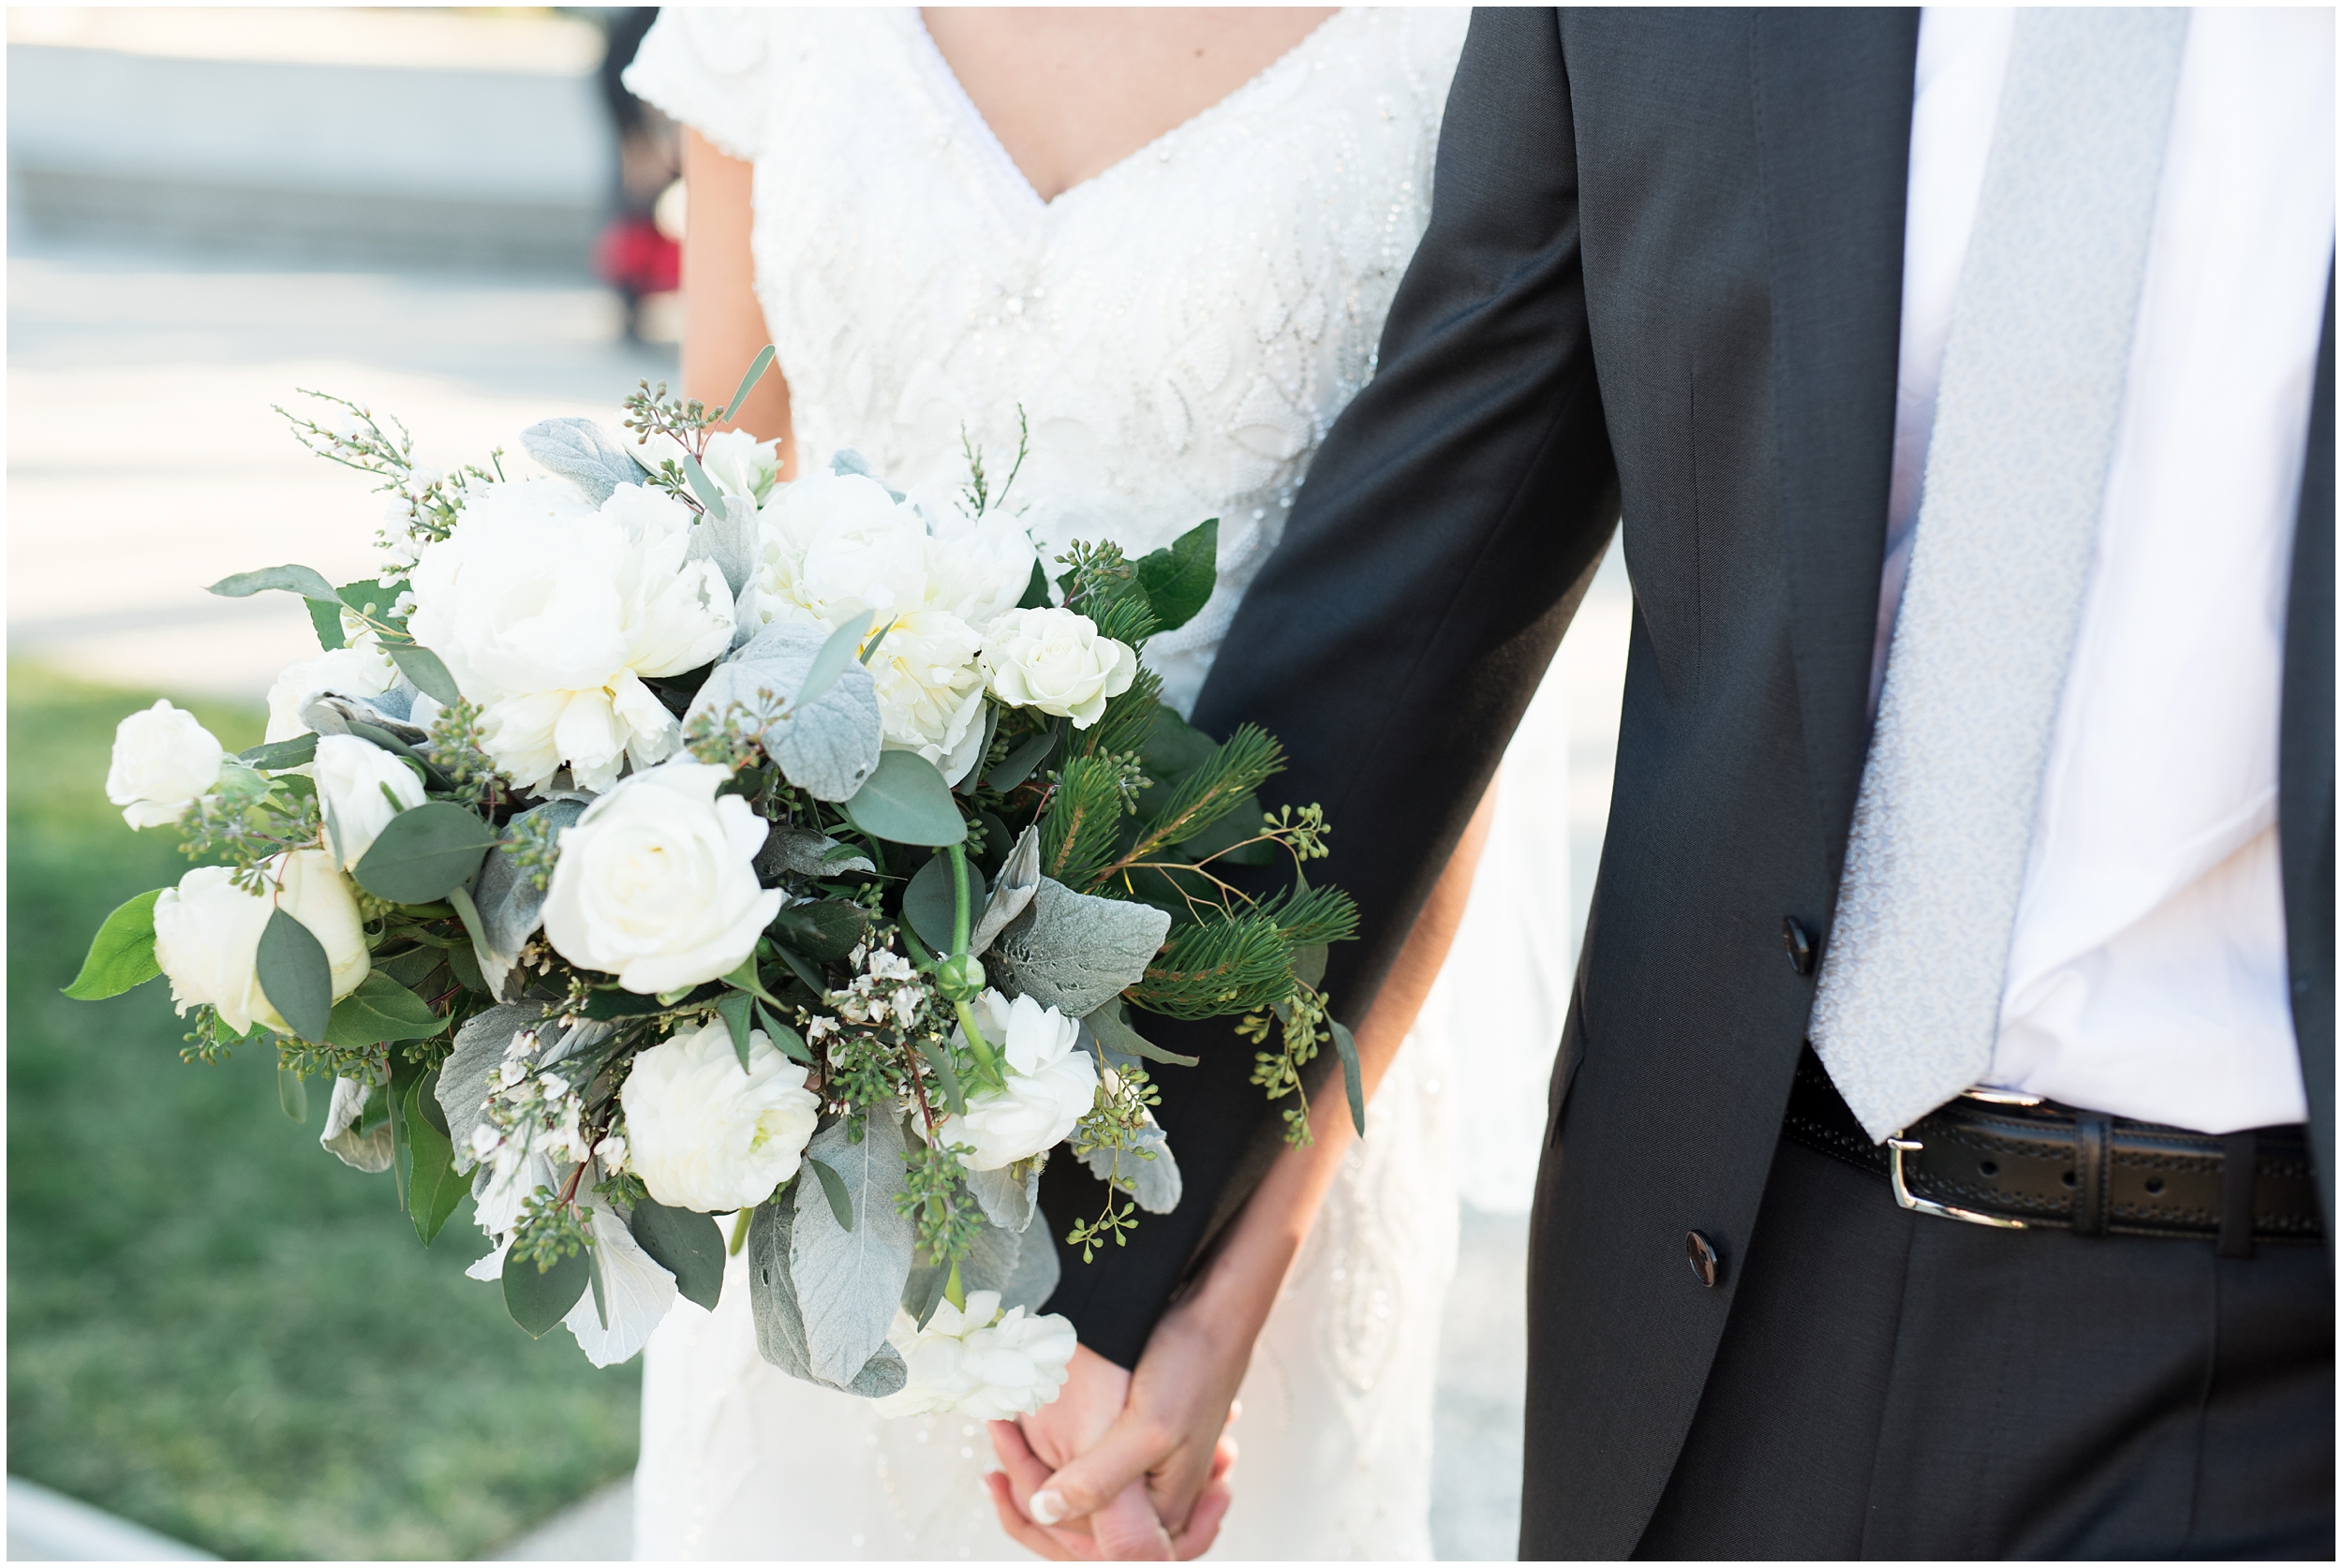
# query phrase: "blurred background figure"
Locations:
[[640, 253]]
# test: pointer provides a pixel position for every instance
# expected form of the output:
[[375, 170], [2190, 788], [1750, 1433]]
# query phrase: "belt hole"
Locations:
[[2067, 1178], [2154, 1186], [1989, 1168]]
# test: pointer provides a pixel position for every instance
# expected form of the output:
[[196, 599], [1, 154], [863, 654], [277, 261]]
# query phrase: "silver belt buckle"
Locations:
[[1899, 1145]]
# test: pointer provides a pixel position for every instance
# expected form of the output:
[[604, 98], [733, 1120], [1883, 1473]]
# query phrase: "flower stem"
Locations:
[[986, 1063], [739, 1233], [958, 853]]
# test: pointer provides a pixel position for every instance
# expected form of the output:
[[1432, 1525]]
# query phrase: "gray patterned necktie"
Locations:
[[1908, 1004]]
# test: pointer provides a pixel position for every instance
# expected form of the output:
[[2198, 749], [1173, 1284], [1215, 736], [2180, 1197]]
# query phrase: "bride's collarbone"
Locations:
[[1071, 93]]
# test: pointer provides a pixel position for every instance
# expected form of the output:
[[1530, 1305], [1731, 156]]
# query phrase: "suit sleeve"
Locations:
[[1448, 529]]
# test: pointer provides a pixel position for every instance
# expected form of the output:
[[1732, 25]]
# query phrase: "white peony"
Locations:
[[360, 670], [361, 787], [657, 881], [549, 611], [705, 1135], [207, 934], [741, 464], [1055, 661], [1051, 1084], [164, 761], [966, 1363], [839, 547]]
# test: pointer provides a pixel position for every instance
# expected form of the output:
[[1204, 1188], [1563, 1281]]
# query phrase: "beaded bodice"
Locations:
[[1180, 330]]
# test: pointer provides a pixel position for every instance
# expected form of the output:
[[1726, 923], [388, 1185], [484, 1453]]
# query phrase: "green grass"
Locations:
[[215, 1327]]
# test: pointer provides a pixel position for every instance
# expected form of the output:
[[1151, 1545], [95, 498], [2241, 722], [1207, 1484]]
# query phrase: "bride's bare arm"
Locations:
[[1181, 1390], [723, 325]]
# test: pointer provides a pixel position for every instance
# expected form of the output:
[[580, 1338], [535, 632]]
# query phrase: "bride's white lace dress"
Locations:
[[1180, 330]]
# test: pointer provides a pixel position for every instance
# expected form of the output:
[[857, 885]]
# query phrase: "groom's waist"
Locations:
[[2043, 1165]]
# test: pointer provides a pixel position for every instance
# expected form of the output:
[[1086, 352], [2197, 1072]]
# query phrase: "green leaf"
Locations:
[[905, 800], [1113, 1032], [825, 930], [733, 1007], [433, 1187], [790, 1042], [1350, 1082], [122, 954], [1308, 963], [1036, 591], [805, 971], [836, 655], [305, 580], [927, 904], [686, 1245], [745, 979], [539, 1301], [327, 618], [295, 975], [379, 1010], [1019, 764], [1178, 579], [834, 1189], [424, 852], [293, 1095], [730, 411], [281, 754], [704, 488], [422, 666], [606, 1005], [938, 1057], [1174, 749]]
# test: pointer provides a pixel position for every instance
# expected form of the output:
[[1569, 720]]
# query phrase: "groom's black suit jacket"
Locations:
[[1662, 276]]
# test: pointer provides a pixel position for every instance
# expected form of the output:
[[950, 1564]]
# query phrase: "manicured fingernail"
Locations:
[[1047, 1508]]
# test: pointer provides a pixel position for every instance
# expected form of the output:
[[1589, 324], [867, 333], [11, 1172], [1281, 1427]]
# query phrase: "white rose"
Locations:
[[741, 464], [1051, 1083], [164, 759], [360, 670], [207, 935], [549, 611], [1055, 661], [705, 1135], [968, 1364], [657, 881], [839, 547], [361, 787]]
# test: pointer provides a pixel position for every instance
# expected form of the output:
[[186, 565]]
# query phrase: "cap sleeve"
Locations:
[[707, 66]]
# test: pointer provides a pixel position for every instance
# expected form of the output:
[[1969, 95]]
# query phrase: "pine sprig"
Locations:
[[1209, 792], [1130, 718], [1236, 964], [1085, 818], [1310, 916]]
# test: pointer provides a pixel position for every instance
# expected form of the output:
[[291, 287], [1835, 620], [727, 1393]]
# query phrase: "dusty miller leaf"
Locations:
[[463, 1090], [581, 452], [831, 748], [773, 1303], [1012, 891], [728, 540], [1073, 951], [1007, 1195], [1154, 1184], [848, 1281], [512, 906]]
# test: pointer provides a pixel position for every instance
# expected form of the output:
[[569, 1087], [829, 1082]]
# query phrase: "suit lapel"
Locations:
[[1832, 94]]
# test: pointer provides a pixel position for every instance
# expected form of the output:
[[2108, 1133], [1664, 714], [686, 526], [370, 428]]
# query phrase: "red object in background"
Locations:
[[635, 257]]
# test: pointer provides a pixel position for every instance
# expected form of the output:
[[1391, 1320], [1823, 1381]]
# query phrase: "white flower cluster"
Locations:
[[1051, 1082], [702, 1133], [886, 991], [207, 934], [981, 1363]]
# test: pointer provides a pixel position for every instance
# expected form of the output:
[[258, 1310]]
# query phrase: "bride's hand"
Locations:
[[1084, 1411]]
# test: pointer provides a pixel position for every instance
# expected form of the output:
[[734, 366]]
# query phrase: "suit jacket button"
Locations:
[[1705, 1263], [1799, 944]]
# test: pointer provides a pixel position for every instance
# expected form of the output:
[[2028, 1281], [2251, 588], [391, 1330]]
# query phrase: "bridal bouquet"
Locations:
[[657, 841]]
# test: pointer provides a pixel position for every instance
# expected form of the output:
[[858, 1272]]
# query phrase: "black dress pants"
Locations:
[[1895, 1385]]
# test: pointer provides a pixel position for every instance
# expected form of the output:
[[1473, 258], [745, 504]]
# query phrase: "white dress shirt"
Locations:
[[2147, 972]]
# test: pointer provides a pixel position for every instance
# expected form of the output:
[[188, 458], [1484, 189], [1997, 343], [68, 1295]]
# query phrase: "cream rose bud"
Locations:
[[361, 787], [1051, 1084], [1055, 661], [705, 1135], [207, 935], [361, 670], [657, 881], [965, 1363], [163, 761]]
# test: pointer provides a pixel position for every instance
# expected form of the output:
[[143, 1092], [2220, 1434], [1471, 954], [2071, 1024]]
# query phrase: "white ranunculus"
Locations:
[[163, 761], [966, 1363], [361, 787], [833, 548], [360, 670], [705, 1135], [1055, 661], [207, 934], [549, 611], [657, 881], [741, 464], [1051, 1084]]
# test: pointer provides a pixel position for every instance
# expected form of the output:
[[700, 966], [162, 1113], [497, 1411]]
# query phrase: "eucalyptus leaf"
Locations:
[[583, 453], [710, 495], [848, 1280], [938, 1057], [1352, 1082], [1013, 891], [833, 659], [732, 1007], [1019, 764], [1008, 1195], [1308, 963], [790, 1043], [422, 666], [434, 1188], [292, 1094], [755, 373], [122, 954], [1153, 1183], [1074, 951], [424, 852], [1180, 578], [281, 754], [295, 975], [906, 800], [796, 851], [1111, 1025], [539, 1301], [686, 1245], [927, 904], [380, 1009], [821, 929], [308, 581], [834, 1189]]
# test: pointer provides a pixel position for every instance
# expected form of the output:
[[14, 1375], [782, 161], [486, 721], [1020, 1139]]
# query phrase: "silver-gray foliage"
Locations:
[[1154, 1184], [848, 1282], [479, 1047], [1073, 951], [1024, 1268], [511, 905], [780, 1320], [581, 452], [1012, 890], [729, 541], [331, 714], [1007, 1195], [368, 1152], [828, 748], [796, 851]]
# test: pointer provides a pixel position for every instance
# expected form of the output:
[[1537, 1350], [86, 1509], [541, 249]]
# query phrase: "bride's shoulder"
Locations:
[[721, 69]]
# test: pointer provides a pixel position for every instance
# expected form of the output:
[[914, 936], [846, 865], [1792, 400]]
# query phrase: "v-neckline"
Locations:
[[1012, 174]]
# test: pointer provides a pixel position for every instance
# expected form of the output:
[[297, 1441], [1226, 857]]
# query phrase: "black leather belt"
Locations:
[[2026, 1165]]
